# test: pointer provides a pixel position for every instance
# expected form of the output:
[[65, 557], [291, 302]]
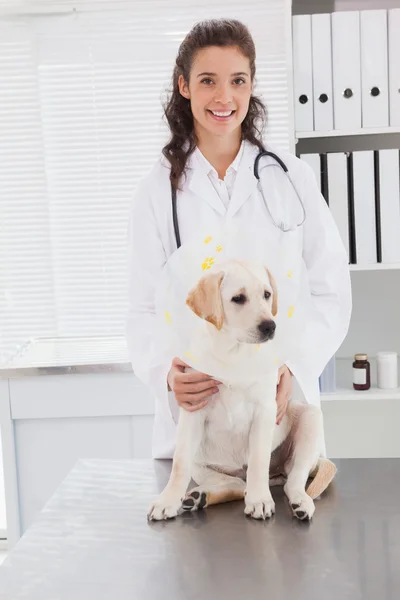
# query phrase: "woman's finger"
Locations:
[[193, 407], [196, 388], [195, 377], [196, 398]]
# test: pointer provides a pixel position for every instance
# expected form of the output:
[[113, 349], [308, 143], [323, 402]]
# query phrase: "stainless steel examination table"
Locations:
[[92, 542]]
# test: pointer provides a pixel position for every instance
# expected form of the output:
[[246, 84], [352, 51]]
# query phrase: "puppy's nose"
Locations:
[[267, 328]]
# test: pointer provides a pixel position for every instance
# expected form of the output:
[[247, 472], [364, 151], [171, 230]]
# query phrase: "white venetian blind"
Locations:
[[81, 90]]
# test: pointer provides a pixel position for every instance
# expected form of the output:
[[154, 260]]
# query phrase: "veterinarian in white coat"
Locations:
[[215, 193]]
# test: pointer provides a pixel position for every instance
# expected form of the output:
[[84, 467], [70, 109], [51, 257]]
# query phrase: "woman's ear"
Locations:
[[205, 299], [274, 293], [183, 87]]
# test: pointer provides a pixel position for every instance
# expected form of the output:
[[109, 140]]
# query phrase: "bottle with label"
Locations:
[[361, 372]]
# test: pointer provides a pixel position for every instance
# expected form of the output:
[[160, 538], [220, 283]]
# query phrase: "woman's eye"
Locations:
[[267, 295], [239, 299], [239, 81]]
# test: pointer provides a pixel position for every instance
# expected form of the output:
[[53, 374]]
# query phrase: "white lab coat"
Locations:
[[152, 241]]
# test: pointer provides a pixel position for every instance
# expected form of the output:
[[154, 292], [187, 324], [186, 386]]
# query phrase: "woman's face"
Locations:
[[220, 82]]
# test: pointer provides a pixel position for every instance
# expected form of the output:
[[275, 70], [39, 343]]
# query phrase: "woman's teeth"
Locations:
[[222, 114]]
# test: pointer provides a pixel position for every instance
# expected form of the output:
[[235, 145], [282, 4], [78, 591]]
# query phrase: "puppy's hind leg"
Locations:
[[307, 435], [214, 488]]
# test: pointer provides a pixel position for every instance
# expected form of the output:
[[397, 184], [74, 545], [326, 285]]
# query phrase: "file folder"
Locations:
[[302, 73], [352, 218], [322, 72], [394, 66], [374, 68], [364, 207], [389, 187], [377, 208], [314, 161], [324, 177], [346, 65], [338, 194]]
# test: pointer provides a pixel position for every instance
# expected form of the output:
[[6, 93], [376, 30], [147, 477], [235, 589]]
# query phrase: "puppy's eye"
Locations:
[[239, 299], [267, 295]]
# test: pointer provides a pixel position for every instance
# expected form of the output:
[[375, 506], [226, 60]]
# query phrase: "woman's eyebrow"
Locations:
[[215, 75]]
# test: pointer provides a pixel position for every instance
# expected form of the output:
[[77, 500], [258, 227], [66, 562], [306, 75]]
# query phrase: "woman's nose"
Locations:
[[223, 94]]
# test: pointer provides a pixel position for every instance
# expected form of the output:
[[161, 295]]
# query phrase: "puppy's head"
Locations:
[[241, 298]]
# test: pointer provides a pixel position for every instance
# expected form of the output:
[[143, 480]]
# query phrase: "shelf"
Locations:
[[374, 393], [301, 135], [345, 390], [375, 267]]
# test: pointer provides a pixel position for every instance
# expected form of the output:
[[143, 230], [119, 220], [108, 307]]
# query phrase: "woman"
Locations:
[[216, 125]]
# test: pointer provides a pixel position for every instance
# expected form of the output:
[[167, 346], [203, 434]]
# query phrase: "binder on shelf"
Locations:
[[352, 218], [364, 207], [302, 73], [322, 72], [389, 188], [324, 178], [377, 208], [314, 161], [394, 66], [338, 194], [346, 67], [374, 68]]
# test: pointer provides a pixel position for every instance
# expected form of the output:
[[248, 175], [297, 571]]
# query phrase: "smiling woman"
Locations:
[[223, 96], [217, 124], [213, 106]]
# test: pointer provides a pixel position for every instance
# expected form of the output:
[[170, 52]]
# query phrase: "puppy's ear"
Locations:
[[274, 293], [205, 299]]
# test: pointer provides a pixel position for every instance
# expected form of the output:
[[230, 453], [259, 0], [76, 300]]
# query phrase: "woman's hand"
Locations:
[[283, 392], [192, 390]]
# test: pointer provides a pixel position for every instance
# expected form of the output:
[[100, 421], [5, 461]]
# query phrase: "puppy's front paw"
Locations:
[[259, 506], [166, 507], [302, 505]]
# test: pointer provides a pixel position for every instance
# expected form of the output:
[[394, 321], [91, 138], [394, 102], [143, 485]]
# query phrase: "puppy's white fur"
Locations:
[[232, 447]]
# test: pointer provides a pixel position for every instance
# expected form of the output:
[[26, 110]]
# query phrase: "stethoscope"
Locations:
[[279, 162]]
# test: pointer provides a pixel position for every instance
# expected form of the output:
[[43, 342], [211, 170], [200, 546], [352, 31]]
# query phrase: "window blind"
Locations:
[[81, 92]]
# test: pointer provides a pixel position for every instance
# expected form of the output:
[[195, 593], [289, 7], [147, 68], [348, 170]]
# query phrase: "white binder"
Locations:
[[302, 73], [374, 68], [338, 194], [322, 72], [315, 163], [364, 207], [346, 70], [389, 178], [394, 66]]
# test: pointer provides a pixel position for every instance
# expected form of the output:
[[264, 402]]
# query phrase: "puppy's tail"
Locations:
[[322, 475]]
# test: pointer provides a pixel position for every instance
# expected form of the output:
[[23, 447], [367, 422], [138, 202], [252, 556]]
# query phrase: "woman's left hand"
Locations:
[[283, 392]]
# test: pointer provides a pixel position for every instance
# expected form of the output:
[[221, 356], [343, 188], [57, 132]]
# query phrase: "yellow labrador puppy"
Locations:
[[234, 458]]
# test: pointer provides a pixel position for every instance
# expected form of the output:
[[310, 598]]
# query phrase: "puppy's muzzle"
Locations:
[[267, 330]]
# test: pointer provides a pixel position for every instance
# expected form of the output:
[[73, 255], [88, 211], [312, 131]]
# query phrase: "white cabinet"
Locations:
[[50, 420]]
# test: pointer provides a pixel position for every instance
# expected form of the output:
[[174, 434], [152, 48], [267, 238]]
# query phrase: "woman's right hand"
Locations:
[[192, 390]]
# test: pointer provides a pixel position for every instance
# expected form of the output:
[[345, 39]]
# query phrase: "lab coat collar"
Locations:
[[244, 185], [245, 182], [207, 166], [198, 182]]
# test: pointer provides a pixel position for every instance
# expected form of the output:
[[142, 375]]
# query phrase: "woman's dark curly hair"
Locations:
[[214, 32]]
